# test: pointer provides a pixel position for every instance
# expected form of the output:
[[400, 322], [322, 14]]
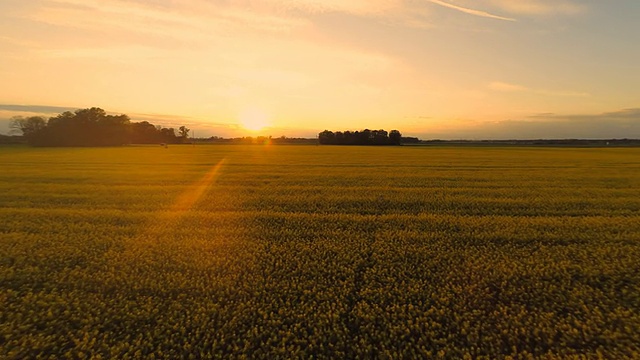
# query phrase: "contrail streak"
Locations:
[[471, 11]]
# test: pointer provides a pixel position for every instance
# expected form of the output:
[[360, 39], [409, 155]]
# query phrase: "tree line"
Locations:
[[93, 127], [259, 140], [364, 137]]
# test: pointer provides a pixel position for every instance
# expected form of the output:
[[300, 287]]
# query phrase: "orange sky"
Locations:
[[431, 68]]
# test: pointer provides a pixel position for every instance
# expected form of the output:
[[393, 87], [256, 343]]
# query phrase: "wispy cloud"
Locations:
[[507, 87], [358, 7], [629, 116], [471, 11], [609, 125], [175, 121], [502, 86], [539, 7], [40, 109], [16, 42], [195, 22], [632, 114]]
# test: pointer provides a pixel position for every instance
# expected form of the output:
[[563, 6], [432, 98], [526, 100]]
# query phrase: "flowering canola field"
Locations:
[[325, 252]]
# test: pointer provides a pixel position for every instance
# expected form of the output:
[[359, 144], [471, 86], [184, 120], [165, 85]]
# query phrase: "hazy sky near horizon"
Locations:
[[431, 68]]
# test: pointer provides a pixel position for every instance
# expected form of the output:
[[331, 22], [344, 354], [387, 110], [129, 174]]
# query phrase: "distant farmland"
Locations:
[[327, 252]]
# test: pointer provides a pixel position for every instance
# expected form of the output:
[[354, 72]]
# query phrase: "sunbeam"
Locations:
[[167, 220]]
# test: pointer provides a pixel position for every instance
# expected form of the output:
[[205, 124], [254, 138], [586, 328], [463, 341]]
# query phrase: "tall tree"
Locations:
[[395, 137], [144, 133], [326, 137], [183, 131], [168, 135], [29, 127]]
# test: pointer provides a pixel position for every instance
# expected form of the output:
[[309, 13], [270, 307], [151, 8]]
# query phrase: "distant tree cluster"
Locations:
[[259, 140], [93, 127], [364, 137], [410, 140], [147, 133]]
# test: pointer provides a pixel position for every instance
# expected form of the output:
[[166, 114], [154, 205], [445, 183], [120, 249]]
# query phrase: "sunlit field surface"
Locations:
[[330, 252]]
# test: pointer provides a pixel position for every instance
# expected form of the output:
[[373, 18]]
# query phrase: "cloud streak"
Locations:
[[608, 125], [539, 7], [506, 87], [471, 11], [357, 7], [41, 109]]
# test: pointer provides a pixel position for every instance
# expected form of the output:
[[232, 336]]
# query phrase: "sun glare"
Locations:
[[254, 120]]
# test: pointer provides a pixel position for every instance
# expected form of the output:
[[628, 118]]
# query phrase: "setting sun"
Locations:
[[444, 69], [254, 120]]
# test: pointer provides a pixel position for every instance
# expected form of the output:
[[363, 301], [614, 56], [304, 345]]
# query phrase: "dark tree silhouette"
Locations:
[[168, 135], [364, 137], [184, 132], [92, 127], [85, 127], [395, 137], [144, 133], [327, 137], [29, 126]]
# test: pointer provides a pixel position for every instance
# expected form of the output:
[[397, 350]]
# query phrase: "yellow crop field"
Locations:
[[226, 251]]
